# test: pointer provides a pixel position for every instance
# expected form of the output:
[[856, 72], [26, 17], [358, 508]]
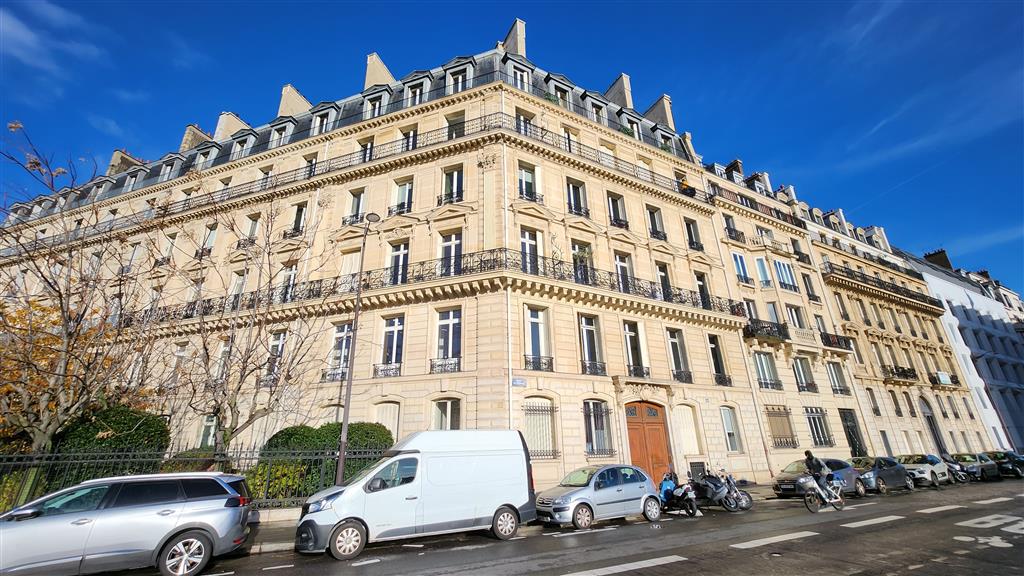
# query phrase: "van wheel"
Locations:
[[652, 509], [347, 540], [582, 517], [505, 523], [186, 554]]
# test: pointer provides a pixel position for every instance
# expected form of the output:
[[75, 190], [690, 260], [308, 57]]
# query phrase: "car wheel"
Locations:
[[1018, 472], [859, 489], [582, 517], [984, 476], [186, 554], [883, 488], [505, 523], [935, 481], [347, 540], [652, 509], [909, 483]]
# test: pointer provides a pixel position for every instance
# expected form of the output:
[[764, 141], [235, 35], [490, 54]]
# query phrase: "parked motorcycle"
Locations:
[[957, 471], [675, 496], [742, 497], [713, 491]]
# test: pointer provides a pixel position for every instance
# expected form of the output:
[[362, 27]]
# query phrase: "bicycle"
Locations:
[[817, 499]]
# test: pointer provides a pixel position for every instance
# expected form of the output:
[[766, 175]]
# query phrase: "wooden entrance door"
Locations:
[[648, 438]]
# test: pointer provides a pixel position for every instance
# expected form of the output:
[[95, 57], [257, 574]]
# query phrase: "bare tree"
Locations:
[[69, 284]]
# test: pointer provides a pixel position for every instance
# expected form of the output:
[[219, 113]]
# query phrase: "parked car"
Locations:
[[794, 479], [177, 522], [979, 466], [926, 469], [1010, 463], [882, 473], [429, 483], [594, 493]]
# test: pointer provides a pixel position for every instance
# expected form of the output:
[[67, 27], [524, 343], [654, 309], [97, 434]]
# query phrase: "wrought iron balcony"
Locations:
[[659, 234], [578, 210], [721, 192], [162, 261], [841, 390], [943, 379], [400, 208], [333, 374], [785, 442], [449, 199], [836, 341], [770, 383], [445, 365], [244, 243], [620, 223], [695, 245], [788, 286], [764, 330], [684, 376], [803, 257], [807, 387], [203, 253], [899, 373], [766, 283], [813, 297], [638, 371], [723, 380], [539, 363], [387, 370], [829, 269], [293, 233], [353, 219], [594, 368], [744, 279], [735, 235], [531, 197]]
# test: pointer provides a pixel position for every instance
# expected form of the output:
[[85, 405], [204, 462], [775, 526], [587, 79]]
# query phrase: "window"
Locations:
[[403, 197], [366, 150], [874, 402], [741, 268], [456, 125], [576, 197], [539, 427], [677, 354], [730, 426], [803, 374], [458, 81], [562, 96], [952, 406], [664, 281], [590, 346], [693, 234], [375, 107], [780, 426], [784, 272], [399, 263], [910, 405], [147, 493], [763, 275], [210, 237], [597, 113], [895, 404], [520, 78], [527, 183], [842, 307], [447, 414], [617, 211], [451, 254], [415, 95], [634, 349], [634, 128], [654, 222], [252, 226], [199, 488], [767, 377], [453, 182], [278, 137], [597, 426], [76, 501], [394, 340], [449, 334], [717, 361], [885, 441], [536, 336], [817, 422], [165, 171], [340, 349], [809, 286], [796, 316], [581, 261], [299, 222], [529, 250], [624, 271], [836, 378], [321, 123], [275, 351], [409, 139], [129, 182], [395, 474], [288, 273], [387, 414], [751, 308]]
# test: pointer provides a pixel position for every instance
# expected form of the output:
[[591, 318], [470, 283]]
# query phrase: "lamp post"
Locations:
[[339, 477]]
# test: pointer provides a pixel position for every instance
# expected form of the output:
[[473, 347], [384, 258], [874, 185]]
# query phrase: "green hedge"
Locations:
[[115, 429], [196, 460]]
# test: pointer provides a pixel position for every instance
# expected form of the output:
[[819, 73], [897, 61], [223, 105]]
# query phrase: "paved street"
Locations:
[[975, 529]]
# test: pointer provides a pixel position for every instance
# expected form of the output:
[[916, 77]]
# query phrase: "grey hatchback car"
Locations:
[[598, 493], [177, 522]]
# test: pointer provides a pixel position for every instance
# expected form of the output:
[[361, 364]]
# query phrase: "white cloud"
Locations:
[[24, 45], [107, 126], [56, 16], [125, 95], [978, 242], [184, 55]]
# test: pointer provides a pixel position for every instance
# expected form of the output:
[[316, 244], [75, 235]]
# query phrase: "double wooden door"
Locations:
[[648, 438]]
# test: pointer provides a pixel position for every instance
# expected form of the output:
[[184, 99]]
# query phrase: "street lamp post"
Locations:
[[339, 477]]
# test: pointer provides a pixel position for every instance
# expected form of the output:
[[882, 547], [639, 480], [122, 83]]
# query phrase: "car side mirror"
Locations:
[[25, 514], [375, 485], [599, 485]]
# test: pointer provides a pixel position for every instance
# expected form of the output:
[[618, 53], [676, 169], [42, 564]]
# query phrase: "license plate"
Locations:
[[786, 486]]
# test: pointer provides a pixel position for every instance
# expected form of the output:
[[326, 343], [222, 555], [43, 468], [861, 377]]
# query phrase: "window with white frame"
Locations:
[[731, 428], [529, 250], [803, 374], [447, 414], [536, 332], [453, 182], [341, 347], [321, 123], [590, 345], [403, 196], [787, 279], [275, 352], [677, 350], [576, 197], [279, 136], [767, 377], [415, 96], [624, 271], [521, 78], [741, 268], [449, 334], [634, 348], [528, 182], [165, 171], [451, 254], [208, 431], [394, 340], [836, 378], [458, 81], [597, 428], [400, 263]]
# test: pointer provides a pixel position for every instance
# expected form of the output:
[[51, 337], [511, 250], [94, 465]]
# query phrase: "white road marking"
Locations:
[[993, 500], [279, 567], [518, 538], [915, 566], [578, 532], [630, 566], [550, 533], [365, 562], [940, 509], [221, 574], [861, 505], [412, 545], [773, 540], [872, 521], [990, 521]]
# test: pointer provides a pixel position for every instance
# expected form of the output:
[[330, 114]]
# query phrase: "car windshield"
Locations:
[[965, 457], [863, 462], [912, 459], [795, 466], [580, 476], [997, 455]]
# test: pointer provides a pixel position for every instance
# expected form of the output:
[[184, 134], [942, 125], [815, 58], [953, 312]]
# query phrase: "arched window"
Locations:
[[597, 426], [447, 414], [539, 427], [387, 413], [731, 427]]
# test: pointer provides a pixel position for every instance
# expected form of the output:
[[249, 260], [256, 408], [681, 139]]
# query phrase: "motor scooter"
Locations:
[[711, 490], [675, 496], [742, 497]]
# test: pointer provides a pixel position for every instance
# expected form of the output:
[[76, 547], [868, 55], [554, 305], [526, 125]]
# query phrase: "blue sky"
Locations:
[[908, 115]]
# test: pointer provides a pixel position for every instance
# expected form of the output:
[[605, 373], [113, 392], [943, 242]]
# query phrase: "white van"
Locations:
[[434, 482]]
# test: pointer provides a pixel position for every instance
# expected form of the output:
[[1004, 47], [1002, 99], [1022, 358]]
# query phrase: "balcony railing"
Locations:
[[813, 297], [785, 442], [531, 197], [333, 374], [744, 279], [772, 244], [695, 245], [770, 383], [766, 330], [721, 192], [449, 199], [943, 379], [578, 210], [803, 257], [898, 373], [445, 365], [244, 243], [766, 283], [539, 363], [836, 341], [293, 233], [872, 258], [841, 390], [659, 234], [353, 219], [807, 387], [788, 286], [400, 208], [638, 371], [723, 380], [387, 370], [736, 235], [594, 368], [619, 223], [831, 269], [203, 253], [684, 376]]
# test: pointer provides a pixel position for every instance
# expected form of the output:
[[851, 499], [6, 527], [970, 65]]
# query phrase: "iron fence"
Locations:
[[277, 478]]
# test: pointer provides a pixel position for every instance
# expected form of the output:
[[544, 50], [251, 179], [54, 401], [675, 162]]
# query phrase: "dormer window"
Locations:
[[634, 127], [521, 79], [129, 182], [165, 171], [720, 171], [203, 160], [242, 147], [415, 95], [321, 123], [758, 187], [562, 95], [458, 81], [374, 107], [279, 136], [597, 113]]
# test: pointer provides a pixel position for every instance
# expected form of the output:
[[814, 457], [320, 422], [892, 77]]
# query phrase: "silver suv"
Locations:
[[599, 493], [177, 522]]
